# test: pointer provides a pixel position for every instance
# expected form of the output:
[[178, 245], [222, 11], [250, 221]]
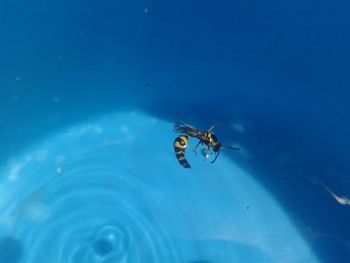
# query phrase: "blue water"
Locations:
[[88, 92]]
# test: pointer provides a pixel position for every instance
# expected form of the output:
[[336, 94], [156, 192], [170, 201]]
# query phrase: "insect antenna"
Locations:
[[216, 156], [223, 148], [229, 147], [212, 127]]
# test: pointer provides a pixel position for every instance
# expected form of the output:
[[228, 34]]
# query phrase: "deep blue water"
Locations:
[[88, 92]]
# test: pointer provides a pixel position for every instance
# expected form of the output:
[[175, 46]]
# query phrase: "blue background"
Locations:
[[281, 69]]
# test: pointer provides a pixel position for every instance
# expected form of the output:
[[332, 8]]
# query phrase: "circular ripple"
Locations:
[[95, 208], [100, 216]]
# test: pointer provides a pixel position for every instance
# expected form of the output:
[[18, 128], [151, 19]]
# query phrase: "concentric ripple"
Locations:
[[111, 191]]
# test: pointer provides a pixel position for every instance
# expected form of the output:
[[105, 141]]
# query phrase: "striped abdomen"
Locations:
[[180, 146]]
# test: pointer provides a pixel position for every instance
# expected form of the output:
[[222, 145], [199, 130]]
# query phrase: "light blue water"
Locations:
[[274, 75], [104, 191]]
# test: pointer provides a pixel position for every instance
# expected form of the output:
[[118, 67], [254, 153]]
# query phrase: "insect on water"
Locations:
[[206, 138]]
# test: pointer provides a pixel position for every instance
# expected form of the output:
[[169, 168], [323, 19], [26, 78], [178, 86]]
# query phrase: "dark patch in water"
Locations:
[[103, 247], [10, 250], [331, 250]]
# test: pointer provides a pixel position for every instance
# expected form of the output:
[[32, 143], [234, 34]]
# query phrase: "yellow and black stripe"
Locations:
[[180, 146]]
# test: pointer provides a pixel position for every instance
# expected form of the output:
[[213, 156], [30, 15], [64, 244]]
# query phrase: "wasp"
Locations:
[[206, 138]]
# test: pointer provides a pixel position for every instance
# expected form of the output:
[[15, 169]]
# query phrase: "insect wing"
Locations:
[[187, 129]]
